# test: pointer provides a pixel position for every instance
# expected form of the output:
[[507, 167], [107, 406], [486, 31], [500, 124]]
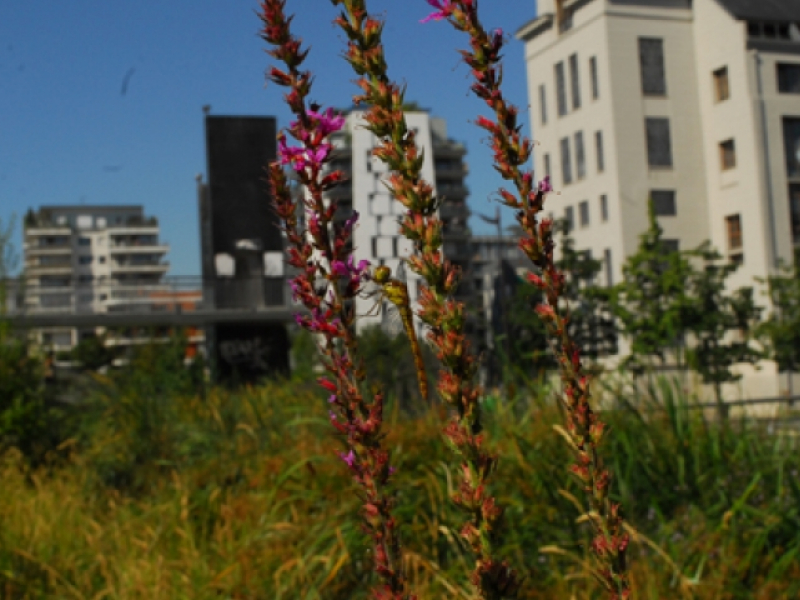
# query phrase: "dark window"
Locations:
[[727, 154], [664, 203], [561, 89], [789, 78], [721, 89], [659, 146], [542, 104], [604, 207], [794, 208], [791, 144], [580, 156], [566, 165], [607, 260], [574, 77], [593, 73], [84, 260], [583, 212], [671, 246], [598, 146], [734, 228], [569, 219], [84, 241], [651, 62], [547, 165]]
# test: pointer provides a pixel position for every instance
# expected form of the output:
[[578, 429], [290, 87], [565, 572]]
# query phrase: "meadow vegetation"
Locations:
[[160, 486]]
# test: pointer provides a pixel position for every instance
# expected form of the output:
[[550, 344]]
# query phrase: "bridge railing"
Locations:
[[170, 294]]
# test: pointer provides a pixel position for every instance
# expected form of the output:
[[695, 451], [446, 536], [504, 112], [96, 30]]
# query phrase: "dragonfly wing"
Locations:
[[391, 321], [400, 274]]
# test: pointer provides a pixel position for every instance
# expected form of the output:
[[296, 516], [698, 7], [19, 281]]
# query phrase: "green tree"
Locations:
[[25, 417], [651, 302], [781, 330], [92, 353], [591, 323], [389, 365], [721, 322]]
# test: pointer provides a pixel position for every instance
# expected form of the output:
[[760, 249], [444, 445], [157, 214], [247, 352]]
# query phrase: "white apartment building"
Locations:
[[90, 259], [695, 104], [377, 237]]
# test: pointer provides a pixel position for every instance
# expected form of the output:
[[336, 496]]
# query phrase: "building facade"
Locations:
[[90, 259], [695, 105]]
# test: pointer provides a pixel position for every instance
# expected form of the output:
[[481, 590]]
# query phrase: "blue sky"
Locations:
[[69, 135]]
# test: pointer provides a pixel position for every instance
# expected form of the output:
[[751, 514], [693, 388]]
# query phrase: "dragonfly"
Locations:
[[395, 290]]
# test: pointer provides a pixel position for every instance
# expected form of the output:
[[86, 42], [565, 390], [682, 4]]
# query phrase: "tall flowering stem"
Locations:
[[328, 282], [511, 152], [443, 315]]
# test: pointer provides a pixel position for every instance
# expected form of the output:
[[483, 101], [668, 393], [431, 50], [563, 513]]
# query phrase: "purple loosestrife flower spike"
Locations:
[[318, 251], [511, 152], [444, 8]]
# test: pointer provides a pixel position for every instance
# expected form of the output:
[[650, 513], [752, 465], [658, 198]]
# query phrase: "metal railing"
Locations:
[[190, 299]]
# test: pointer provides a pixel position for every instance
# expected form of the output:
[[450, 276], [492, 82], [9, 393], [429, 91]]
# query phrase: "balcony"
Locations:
[[449, 148], [56, 268], [452, 190], [450, 169], [453, 210], [48, 229], [156, 248], [139, 266]]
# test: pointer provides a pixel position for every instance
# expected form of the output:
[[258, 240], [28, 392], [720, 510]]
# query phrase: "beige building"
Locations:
[[694, 104], [83, 259]]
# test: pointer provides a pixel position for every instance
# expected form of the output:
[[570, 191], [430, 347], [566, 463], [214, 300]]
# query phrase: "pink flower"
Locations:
[[348, 458], [545, 185], [445, 7], [327, 122]]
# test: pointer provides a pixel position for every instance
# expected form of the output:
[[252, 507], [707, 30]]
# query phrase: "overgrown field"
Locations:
[[167, 494]]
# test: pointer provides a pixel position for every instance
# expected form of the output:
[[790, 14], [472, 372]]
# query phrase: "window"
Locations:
[[607, 261], [84, 260], [542, 104], [566, 165], [663, 203], [84, 241], [788, 78], [598, 146], [547, 165], [593, 74], [583, 213], [580, 157], [794, 211], [671, 246], [561, 89], [791, 144], [604, 208], [727, 154], [734, 227], [575, 81], [101, 260], [721, 91], [651, 63], [569, 219], [659, 146]]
